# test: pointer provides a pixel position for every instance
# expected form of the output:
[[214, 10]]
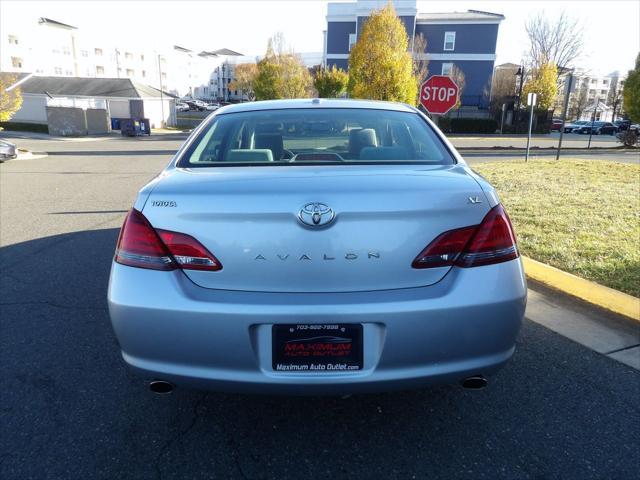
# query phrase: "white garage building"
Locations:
[[121, 97]]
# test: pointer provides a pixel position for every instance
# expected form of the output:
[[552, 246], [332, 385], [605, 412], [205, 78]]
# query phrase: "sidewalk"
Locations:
[[89, 138], [602, 331], [548, 141]]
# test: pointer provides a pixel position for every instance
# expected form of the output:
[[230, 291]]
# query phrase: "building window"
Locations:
[[605, 82], [449, 41], [603, 92], [58, 71], [97, 51], [13, 40], [352, 40], [99, 70], [84, 53], [16, 62], [446, 68], [164, 76], [141, 57], [144, 73], [129, 72], [128, 55], [68, 72], [593, 80], [66, 50]]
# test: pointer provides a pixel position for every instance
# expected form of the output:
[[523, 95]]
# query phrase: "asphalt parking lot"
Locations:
[[70, 409]]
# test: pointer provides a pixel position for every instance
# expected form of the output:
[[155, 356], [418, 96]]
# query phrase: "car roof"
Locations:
[[315, 103]]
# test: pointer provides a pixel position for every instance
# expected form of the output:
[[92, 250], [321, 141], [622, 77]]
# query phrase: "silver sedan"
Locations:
[[8, 150], [316, 247]]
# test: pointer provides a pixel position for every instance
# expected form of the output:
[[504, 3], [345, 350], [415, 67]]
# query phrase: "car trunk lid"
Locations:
[[250, 219]]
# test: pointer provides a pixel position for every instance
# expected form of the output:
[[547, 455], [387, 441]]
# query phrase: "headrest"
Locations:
[[271, 141], [358, 139], [246, 155]]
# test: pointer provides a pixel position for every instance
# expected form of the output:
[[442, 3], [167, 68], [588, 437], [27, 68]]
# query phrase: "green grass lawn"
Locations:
[[582, 217]]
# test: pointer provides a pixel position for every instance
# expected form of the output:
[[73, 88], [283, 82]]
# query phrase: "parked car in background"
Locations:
[[8, 151], [622, 125], [556, 125], [571, 127], [599, 128], [212, 107], [196, 105], [371, 260], [182, 107]]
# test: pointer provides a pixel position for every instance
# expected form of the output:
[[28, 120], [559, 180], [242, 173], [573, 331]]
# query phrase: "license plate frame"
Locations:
[[322, 348]]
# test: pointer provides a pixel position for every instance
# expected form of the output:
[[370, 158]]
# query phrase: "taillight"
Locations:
[[493, 241], [188, 252], [445, 249], [139, 245]]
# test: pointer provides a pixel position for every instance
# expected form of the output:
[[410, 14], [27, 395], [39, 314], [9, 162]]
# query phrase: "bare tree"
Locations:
[[578, 101], [615, 98], [556, 41], [457, 75], [504, 86], [420, 62]]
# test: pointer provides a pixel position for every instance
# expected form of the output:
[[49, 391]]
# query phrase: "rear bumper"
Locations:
[[171, 329]]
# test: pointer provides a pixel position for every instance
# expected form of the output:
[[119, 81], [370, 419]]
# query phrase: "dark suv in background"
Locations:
[[622, 125], [603, 128]]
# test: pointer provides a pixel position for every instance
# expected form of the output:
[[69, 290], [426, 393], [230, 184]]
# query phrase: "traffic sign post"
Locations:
[[532, 98], [439, 94]]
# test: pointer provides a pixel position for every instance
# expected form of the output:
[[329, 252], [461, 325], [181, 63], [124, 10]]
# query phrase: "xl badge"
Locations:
[[316, 214]]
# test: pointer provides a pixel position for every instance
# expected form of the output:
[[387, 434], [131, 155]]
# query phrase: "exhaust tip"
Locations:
[[477, 382], [161, 387]]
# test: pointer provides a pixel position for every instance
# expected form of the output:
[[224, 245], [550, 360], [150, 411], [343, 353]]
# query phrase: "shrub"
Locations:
[[473, 125], [444, 124], [629, 138], [25, 127]]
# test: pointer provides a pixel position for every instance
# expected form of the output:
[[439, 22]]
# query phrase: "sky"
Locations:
[[612, 27]]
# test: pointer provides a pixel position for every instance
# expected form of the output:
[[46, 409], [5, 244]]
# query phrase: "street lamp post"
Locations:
[[519, 73]]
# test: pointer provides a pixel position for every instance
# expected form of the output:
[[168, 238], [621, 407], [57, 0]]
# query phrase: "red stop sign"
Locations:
[[439, 94]]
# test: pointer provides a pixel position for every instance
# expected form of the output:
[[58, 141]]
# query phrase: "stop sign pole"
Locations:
[[439, 94]]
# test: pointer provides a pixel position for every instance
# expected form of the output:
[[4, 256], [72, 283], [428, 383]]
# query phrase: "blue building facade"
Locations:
[[466, 41]]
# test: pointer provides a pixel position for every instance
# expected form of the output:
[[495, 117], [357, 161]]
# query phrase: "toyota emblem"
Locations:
[[316, 214]]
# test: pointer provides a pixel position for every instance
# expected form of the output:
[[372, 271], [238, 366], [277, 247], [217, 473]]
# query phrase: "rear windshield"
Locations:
[[312, 136]]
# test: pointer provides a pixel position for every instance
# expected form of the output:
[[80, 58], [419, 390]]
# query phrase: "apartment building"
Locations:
[[590, 89], [466, 40], [53, 48]]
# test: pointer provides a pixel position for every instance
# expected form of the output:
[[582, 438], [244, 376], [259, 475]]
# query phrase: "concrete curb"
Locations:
[[591, 292], [29, 155]]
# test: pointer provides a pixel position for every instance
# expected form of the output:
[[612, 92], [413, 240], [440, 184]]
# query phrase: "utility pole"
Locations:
[[564, 112], [161, 91], [531, 100], [504, 107], [593, 120]]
